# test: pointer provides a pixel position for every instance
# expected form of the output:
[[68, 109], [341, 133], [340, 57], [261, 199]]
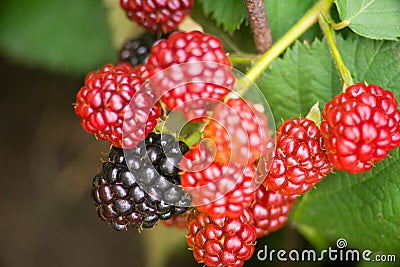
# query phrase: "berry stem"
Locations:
[[259, 25], [242, 58], [341, 25], [324, 21], [292, 35]]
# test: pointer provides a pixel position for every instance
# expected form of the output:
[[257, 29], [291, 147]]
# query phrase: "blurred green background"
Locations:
[[48, 161]]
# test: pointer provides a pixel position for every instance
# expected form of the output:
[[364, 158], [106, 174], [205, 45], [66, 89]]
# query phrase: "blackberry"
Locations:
[[109, 96], [223, 241], [270, 210], [141, 186], [136, 51], [157, 16], [300, 159], [195, 87], [360, 126], [217, 190], [239, 131]]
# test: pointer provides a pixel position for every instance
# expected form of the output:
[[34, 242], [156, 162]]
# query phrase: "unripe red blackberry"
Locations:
[[270, 210], [155, 15], [148, 190], [299, 160], [360, 127], [191, 73], [221, 242], [217, 190], [105, 98], [239, 132]]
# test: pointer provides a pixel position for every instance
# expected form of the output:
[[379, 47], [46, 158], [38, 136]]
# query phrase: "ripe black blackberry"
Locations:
[[142, 186], [136, 51]]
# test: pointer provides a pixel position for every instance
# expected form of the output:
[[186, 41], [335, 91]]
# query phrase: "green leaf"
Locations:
[[209, 26], [364, 209], [306, 74], [381, 264], [231, 14], [373, 61], [61, 35], [375, 19], [282, 15], [314, 114]]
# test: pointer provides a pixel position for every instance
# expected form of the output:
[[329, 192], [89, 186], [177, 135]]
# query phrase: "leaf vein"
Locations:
[[361, 10]]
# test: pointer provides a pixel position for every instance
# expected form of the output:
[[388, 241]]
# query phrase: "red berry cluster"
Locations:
[[242, 181], [229, 123], [122, 104], [220, 172], [115, 94], [217, 189], [270, 210], [359, 127], [223, 185]]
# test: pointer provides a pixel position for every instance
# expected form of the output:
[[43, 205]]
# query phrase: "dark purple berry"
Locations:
[[139, 186], [137, 50]]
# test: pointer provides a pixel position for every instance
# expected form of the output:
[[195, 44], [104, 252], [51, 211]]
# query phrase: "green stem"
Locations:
[[341, 25], [193, 138], [243, 58], [330, 38], [292, 35]]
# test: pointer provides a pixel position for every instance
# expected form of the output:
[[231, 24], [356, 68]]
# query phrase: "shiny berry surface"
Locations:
[[221, 242], [157, 15], [194, 87], [299, 160], [141, 195], [217, 190], [239, 131], [360, 127], [270, 210], [104, 99], [137, 50]]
